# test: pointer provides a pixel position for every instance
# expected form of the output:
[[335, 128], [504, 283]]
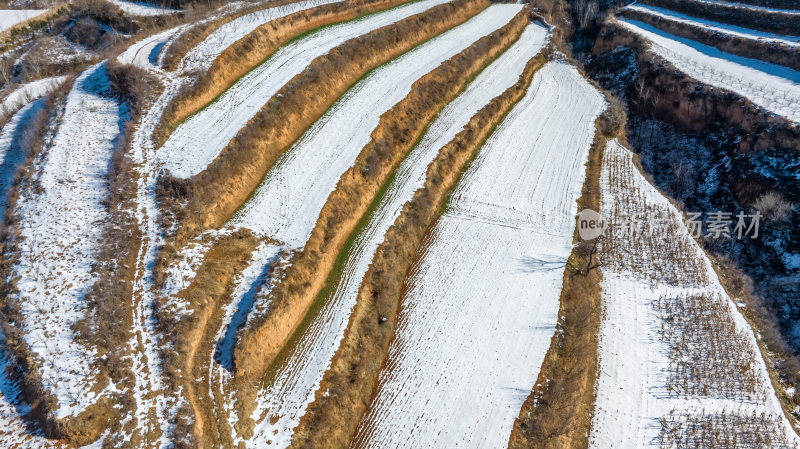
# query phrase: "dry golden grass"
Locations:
[[191, 336], [199, 32], [332, 419], [395, 135]]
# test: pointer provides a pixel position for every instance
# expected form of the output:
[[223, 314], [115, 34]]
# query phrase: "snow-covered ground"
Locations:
[[298, 379], [14, 432], [648, 382], [723, 28], [775, 88], [11, 17], [218, 123], [287, 203], [482, 303], [146, 53], [28, 92], [141, 9], [61, 219], [153, 410]]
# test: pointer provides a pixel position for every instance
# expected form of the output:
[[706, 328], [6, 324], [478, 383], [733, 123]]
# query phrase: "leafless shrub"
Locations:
[[774, 206], [611, 122], [708, 355], [734, 429], [638, 223], [587, 11]]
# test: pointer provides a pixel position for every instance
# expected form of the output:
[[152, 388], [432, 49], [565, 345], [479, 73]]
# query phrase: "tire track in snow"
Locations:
[[220, 121], [298, 380], [479, 315]]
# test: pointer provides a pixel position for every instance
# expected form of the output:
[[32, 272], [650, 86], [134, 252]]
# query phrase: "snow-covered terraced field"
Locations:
[[11, 17], [61, 218], [218, 123], [141, 9], [723, 28], [640, 394], [152, 409], [14, 142], [773, 87], [482, 302], [287, 203], [297, 381], [28, 92]]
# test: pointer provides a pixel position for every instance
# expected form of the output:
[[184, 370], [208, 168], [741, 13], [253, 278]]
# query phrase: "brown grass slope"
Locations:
[[199, 32], [191, 338], [768, 51], [215, 193], [254, 49], [332, 419], [558, 412]]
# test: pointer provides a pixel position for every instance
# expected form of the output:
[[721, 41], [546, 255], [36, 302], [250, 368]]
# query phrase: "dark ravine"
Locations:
[[676, 98], [710, 149]]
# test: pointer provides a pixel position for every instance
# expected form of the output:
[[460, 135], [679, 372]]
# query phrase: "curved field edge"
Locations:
[[759, 19], [178, 49], [20, 360], [191, 335], [255, 48], [292, 302], [349, 385]]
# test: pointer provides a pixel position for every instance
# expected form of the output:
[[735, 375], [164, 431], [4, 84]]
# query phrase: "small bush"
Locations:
[[774, 206]]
